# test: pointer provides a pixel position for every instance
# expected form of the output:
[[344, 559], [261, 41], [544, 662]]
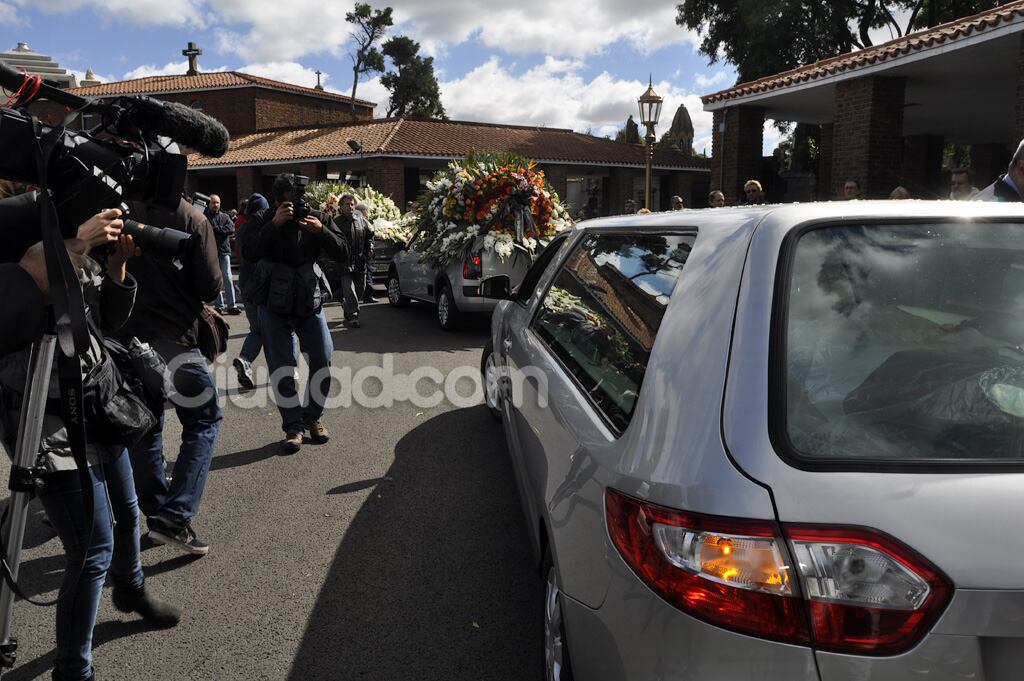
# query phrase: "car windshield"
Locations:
[[906, 342]]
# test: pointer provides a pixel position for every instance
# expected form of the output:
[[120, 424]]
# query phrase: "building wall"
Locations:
[[868, 134], [738, 136], [274, 109], [232, 107], [387, 175]]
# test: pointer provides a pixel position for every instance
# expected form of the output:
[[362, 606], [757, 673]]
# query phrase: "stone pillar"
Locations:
[[823, 190], [868, 134], [387, 175], [736, 143], [922, 166], [989, 161], [246, 182]]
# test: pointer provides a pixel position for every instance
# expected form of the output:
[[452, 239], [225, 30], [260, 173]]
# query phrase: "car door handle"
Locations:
[[507, 344]]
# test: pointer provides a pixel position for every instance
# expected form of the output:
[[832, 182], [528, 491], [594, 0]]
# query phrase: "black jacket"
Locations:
[[289, 244], [169, 300], [23, 313], [223, 230], [357, 232]]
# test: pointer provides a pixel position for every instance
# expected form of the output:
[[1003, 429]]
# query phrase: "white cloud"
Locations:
[[555, 96], [174, 68], [10, 16], [141, 12], [720, 77]]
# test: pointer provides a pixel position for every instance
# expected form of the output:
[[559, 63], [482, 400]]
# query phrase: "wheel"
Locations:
[[448, 315], [557, 666], [395, 296], [490, 374]]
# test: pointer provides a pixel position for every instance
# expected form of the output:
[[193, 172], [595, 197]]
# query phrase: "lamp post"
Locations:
[[650, 110]]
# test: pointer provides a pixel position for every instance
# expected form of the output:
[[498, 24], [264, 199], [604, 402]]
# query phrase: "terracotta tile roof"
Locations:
[[894, 49], [447, 139], [151, 85]]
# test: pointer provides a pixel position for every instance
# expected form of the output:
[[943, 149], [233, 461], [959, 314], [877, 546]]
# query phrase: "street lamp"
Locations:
[[650, 110]]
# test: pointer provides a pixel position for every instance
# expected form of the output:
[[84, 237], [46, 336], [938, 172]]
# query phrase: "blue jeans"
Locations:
[[253, 342], [200, 416], [279, 335], [226, 297], [114, 544]]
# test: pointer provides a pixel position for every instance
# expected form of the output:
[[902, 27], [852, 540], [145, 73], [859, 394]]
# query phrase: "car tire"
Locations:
[[448, 314], [557, 666], [395, 296], [489, 372]]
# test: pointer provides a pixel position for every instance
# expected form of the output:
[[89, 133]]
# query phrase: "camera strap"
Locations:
[[72, 328]]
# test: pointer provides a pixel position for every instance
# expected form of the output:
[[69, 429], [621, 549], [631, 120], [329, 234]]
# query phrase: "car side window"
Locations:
[[603, 310], [533, 276]]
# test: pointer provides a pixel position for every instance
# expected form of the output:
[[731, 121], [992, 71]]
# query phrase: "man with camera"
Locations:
[[168, 312], [285, 241]]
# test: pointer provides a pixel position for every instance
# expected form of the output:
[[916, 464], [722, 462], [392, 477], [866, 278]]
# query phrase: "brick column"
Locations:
[[922, 166], [681, 183], [868, 134], [736, 149], [558, 178], [989, 161], [387, 175], [620, 188], [246, 182], [310, 170], [823, 191]]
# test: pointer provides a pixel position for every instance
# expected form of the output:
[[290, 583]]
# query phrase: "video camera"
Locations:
[[125, 157]]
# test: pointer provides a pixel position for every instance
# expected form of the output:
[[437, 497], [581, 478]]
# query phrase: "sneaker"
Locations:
[[183, 538], [352, 323], [318, 433], [245, 377], [153, 610], [234, 311], [292, 442]]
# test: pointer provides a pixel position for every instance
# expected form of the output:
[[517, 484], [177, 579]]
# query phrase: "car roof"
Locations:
[[793, 214]]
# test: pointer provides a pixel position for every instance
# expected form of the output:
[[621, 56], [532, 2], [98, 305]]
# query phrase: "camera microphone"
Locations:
[[182, 124]]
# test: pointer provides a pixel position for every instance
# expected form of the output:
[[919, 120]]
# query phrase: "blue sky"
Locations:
[[577, 64]]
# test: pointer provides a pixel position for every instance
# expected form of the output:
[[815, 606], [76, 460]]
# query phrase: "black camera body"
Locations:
[[300, 207]]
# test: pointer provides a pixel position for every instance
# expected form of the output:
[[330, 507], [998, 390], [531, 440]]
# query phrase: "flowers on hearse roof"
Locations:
[[504, 197]]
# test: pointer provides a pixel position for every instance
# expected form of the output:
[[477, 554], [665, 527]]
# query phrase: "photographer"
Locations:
[[168, 313], [110, 539], [285, 240]]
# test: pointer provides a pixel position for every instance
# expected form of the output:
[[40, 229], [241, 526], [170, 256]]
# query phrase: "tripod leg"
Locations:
[[30, 431]]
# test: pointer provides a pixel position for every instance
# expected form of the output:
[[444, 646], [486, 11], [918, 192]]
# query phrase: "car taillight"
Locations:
[[731, 573], [861, 591], [472, 267], [866, 592]]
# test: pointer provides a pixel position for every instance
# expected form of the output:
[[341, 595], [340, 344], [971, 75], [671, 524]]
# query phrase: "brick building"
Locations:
[[885, 113], [398, 155]]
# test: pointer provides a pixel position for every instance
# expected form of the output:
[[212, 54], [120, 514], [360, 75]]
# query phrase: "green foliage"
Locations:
[[369, 28], [412, 83], [763, 38]]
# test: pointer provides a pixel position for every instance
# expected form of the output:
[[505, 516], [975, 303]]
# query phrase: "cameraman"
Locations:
[[110, 539], [290, 290], [167, 316]]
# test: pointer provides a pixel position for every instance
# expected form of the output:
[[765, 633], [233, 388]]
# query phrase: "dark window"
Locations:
[[603, 310], [905, 343], [525, 289]]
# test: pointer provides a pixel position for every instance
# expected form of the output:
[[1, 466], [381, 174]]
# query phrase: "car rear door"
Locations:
[[876, 386]]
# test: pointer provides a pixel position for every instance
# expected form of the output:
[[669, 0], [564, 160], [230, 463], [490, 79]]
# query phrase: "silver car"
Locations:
[[774, 443], [465, 286]]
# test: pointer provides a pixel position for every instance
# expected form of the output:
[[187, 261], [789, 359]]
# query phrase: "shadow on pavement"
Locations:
[[356, 486], [247, 457], [412, 329], [434, 578]]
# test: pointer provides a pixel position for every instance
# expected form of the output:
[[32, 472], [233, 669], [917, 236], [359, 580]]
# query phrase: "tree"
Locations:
[[762, 38], [370, 25], [413, 84]]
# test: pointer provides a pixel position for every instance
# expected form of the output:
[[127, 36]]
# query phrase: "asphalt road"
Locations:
[[396, 551]]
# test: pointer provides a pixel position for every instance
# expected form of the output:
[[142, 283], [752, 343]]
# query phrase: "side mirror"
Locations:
[[499, 287]]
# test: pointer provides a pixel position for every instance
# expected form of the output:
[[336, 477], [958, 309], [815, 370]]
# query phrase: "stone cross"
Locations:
[[318, 74], [192, 52]]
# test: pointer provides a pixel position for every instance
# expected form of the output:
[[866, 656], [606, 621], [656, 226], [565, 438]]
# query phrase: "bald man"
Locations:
[[223, 230]]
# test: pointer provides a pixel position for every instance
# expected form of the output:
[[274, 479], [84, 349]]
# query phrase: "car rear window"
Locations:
[[906, 343]]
